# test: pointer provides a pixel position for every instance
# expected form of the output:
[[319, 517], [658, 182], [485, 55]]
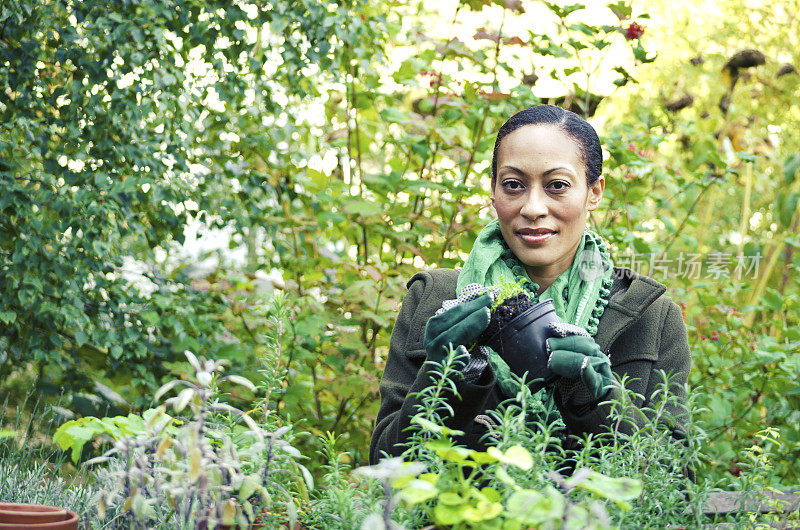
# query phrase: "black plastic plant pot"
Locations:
[[521, 341]]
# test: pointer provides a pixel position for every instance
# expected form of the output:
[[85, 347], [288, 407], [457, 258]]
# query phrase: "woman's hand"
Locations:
[[460, 325], [573, 354]]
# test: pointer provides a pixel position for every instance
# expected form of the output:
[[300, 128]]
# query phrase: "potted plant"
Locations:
[[19, 516], [518, 328]]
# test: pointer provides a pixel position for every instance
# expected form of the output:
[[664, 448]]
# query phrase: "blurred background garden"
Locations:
[[255, 181]]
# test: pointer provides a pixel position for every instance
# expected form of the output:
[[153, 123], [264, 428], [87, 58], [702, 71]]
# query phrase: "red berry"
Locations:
[[634, 31], [631, 147], [703, 337]]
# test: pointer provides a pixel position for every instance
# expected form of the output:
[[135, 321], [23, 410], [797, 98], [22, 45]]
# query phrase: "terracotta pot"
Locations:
[[16, 516]]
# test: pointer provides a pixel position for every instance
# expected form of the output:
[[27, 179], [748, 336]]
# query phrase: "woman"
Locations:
[[546, 177]]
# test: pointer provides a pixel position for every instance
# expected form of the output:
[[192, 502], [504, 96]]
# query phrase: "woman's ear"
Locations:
[[595, 194]]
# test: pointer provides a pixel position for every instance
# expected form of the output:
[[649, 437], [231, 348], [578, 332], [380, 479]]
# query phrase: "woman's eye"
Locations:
[[512, 185], [558, 185]]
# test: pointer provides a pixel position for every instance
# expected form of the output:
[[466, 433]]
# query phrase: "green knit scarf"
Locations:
[[579, 294]]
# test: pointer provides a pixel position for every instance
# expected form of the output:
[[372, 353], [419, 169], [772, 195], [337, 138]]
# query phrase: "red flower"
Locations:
[[634, 31]]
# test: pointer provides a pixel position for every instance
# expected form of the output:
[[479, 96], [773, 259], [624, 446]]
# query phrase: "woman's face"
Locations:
[[541, 198]]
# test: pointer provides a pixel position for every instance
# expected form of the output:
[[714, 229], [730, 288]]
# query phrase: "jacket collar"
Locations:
[[631, 294]]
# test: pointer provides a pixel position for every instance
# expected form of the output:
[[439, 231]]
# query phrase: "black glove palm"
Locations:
[[573, 355], [458, 326]]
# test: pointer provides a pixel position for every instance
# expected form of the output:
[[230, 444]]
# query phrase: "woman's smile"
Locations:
[[535, 236]]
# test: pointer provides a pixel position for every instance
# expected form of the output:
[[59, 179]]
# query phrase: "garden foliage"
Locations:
[[344, 146], [131, 119], [202, 468], [707, 191]]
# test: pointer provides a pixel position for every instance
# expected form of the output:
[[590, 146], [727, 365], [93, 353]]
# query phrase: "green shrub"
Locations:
[[628, 478], [200, 467]]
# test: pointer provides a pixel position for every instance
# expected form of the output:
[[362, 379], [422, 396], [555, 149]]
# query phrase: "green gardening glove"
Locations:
[[579, 356], [460, 325]]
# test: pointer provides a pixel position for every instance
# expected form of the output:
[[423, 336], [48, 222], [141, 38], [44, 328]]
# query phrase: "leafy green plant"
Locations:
[[634, 476], [456, 501], [75, 434], [756, 481], [507, 290], [433, 408], [517, 481], [362, 498], [643, 445], [207, 468]]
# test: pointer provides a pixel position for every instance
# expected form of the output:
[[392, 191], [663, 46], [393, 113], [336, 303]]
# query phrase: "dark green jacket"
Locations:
[[641, 331]]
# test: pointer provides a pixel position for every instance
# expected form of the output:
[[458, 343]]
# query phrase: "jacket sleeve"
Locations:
[[406, 373], [672, 355]]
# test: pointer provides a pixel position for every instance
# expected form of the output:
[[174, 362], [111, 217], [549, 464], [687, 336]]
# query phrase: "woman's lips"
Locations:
[[535, 237]]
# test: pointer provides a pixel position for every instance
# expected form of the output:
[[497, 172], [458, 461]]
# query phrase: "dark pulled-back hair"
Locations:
[[573, 126]]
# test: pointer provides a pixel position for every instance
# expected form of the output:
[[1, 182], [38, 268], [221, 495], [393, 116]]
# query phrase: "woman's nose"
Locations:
[[534, 206]]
